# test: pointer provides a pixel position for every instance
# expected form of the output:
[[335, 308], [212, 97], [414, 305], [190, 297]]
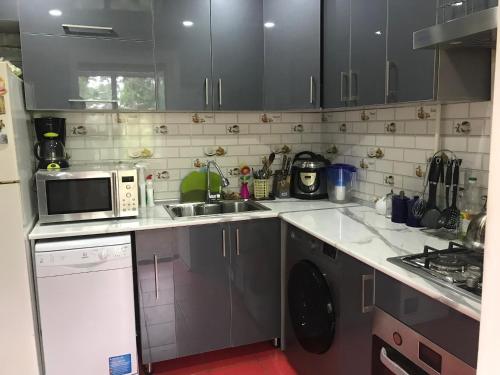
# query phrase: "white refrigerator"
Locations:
[[18, 332]]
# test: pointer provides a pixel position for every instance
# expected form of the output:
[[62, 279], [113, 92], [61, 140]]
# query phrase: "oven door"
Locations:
[[73, 196], [398, 350]]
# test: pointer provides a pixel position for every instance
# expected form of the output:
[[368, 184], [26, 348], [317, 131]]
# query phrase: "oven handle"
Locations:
[[115, 200], [390, 364]]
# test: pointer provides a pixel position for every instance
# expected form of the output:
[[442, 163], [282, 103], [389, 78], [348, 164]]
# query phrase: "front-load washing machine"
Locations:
[[327, 307]]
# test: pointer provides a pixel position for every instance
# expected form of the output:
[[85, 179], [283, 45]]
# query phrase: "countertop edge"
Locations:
[[409, 281]]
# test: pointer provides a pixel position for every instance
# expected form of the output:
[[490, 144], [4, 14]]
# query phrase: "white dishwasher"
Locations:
[[86, 306]]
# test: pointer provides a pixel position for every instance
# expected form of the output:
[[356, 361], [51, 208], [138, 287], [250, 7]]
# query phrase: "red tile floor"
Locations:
[[257, 359]]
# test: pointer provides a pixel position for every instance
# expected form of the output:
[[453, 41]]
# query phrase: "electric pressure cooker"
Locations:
[[309, 177]]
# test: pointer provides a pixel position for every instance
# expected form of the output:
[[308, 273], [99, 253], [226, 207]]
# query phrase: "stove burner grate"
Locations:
[[448, 263]]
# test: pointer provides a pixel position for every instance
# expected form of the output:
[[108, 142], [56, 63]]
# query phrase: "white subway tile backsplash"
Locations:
[[454, 143], [415, 156], [405, 169], [416, 127], [291, 117], [360, 127], [479, 145], [386, 114], [404, 141], [226, 118], [384, 166], [259, 128], [458, 110], [424, 142], [384, 140], [178, 141], [405, 113], [480, 109]]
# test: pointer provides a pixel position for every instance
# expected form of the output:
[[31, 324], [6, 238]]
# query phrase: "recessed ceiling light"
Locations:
[[378, 32], [269, 25], [187, 23], [55, 12], [457, 4]]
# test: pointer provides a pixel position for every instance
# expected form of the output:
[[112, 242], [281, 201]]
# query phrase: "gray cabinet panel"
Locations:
[[8, 10], [238, 54], [336, 53], [292, 54], [202, 291], [255, 281], [127, 19], [410, 72], [182, 54], [155, 256], [368, 51], [87, 73]]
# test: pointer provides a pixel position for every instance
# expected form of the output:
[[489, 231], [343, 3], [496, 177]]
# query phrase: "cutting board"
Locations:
[[194, 186]]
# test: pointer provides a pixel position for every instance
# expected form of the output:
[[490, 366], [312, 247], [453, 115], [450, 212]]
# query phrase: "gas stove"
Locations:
[[456, 267]]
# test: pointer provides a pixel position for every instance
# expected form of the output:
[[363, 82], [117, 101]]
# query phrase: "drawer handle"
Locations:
[[157, 289], [67, 27]]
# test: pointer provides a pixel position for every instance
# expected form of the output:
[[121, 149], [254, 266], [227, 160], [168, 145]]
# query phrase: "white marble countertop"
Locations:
[[371, 238], [157, 217]]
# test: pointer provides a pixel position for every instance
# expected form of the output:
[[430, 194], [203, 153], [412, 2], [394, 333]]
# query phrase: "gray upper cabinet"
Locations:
[[292, 38], [255, 282], [410, 73], [86, 73], [368, 51], [182, 54], [237, 54], [336, 53], [8, 10], [111, 19]]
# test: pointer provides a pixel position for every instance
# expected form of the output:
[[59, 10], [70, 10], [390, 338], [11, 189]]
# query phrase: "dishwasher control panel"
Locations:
[[64, 262]]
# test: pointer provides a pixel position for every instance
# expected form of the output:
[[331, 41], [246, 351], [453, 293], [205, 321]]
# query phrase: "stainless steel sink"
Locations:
[[218, 208]]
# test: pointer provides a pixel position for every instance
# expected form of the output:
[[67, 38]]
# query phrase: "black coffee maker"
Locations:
[[50, 147]]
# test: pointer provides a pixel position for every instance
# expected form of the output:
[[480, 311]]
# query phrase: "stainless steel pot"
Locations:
[[474, 239]]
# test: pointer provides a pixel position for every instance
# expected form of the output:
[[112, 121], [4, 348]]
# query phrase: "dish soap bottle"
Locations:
[[471, 205], [149, 191]]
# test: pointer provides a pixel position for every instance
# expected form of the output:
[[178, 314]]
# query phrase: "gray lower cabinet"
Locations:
[[292, 38], [255, 281], [368, 51], [200, 289], [97, 18], [410, 73], [237, 54], [336, 53], [87, 73], [182, 54]]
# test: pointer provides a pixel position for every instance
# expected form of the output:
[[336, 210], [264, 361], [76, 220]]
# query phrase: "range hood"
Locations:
[[474, 30]]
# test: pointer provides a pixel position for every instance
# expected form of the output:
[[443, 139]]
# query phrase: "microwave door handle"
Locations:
[[114, 195], [392, 366]]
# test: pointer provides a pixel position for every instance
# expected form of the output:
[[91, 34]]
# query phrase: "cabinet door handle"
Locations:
[[344, 81], [387, 78], [115, 199], [224, 243], [311, 90], [67, 27], [364, 280], [92, 101], [353, 78], [220, 92], [237, 241], [157, 287], [206, 92]]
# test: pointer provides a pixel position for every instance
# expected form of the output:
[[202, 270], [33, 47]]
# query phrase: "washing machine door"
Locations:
[[311, 307]]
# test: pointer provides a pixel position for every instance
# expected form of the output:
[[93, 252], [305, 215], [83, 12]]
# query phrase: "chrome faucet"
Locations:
[[224, 181]]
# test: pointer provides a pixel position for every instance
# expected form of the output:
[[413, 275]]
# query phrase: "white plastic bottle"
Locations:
[[149, 191]]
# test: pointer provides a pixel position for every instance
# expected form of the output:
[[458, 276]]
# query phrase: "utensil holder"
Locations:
[[281, 185], [261, 188]]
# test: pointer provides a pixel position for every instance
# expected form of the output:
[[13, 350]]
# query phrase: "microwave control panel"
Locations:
[[128, 193]]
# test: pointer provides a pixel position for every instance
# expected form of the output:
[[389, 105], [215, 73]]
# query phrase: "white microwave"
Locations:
[[87, 192]]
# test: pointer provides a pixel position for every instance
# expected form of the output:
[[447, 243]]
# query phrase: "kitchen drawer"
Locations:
[[62, 73], [130, 19]]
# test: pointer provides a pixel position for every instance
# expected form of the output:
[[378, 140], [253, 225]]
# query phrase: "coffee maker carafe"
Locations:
[[50, 146]]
